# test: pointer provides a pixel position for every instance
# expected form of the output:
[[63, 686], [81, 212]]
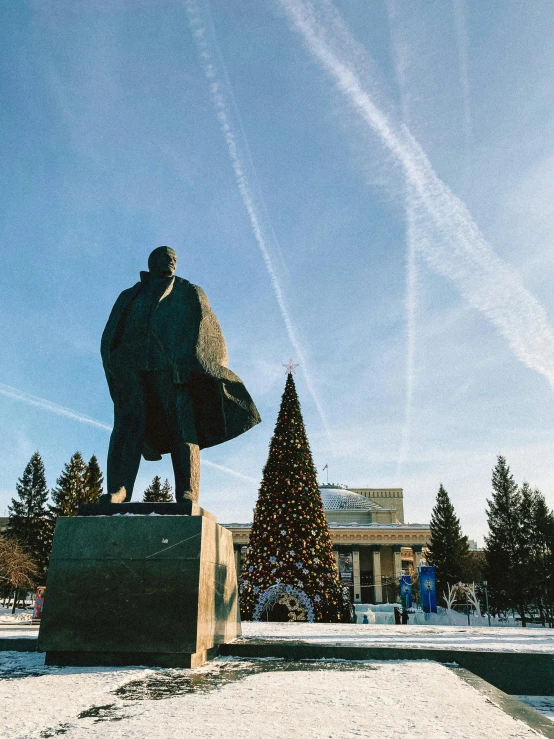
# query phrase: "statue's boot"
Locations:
[[118, 497], [186, 466]]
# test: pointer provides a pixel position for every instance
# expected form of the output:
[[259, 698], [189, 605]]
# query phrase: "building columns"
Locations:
[[336, 556], [356, 573], [377, 581], [417, 550], [397, 554]]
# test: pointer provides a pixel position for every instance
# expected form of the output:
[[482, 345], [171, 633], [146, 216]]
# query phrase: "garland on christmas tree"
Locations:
[[290, 547]]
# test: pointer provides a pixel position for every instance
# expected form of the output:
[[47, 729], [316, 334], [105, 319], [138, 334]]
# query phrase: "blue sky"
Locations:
[[363, 187]]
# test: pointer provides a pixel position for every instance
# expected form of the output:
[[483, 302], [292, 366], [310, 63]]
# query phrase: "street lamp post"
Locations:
[[485, 583], [428, 586]]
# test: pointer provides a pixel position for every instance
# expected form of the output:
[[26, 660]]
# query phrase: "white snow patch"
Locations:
[[433, 637], [394, 699], [499, 639], [29, 705], [15, 618]]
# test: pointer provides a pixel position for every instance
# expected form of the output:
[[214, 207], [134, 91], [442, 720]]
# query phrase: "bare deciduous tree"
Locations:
[[17, 568]]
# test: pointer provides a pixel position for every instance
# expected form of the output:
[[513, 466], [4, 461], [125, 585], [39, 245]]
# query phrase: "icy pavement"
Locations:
[[265, 699], [542, 703], [433, 637]]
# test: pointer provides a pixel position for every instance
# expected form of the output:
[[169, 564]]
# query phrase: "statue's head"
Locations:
[[162, 262]]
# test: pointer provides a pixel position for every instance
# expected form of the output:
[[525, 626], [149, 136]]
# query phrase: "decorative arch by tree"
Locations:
[[295, 603]]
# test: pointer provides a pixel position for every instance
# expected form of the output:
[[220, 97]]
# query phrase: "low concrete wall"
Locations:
[[21, 644]]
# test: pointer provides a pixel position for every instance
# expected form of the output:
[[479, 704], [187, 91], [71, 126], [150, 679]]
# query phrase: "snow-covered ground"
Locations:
[[434, 637], [266, 699], [20, 617], [22, 629]]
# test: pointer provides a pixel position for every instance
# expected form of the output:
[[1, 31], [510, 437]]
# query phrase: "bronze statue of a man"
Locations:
[[166, 365]]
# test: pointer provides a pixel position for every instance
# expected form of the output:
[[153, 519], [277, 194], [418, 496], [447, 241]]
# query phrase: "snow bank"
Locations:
[[384, 614], [15, 618]]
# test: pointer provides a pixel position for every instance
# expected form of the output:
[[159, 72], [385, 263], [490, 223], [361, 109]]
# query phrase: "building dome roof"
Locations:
[[336, 498]]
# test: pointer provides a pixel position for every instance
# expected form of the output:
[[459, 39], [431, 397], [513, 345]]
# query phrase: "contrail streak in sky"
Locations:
[[400, 54], [411, 308], [221, 91], [229, 471], [46, 405], [60, 410], [452, 243], [458, 7]]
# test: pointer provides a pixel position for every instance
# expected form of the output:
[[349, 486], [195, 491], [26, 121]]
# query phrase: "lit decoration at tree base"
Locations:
[[294, 603]]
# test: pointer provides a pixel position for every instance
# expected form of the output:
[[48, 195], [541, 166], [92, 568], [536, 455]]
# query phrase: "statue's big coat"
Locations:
[[187, 332]]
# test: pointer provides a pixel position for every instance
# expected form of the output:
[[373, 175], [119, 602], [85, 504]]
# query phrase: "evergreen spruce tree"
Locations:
[[71, 488], [28, 516], [167, 493], [448, 549], [157, 492], [503, 545], [290, 545], [548, 580], [542, 557], [94, 481], [527, 554], [153, 491]]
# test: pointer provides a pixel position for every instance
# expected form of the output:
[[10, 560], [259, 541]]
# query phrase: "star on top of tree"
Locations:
[[290, 367]]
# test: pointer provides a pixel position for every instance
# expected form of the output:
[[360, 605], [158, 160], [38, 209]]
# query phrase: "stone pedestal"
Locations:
[[158, 590]]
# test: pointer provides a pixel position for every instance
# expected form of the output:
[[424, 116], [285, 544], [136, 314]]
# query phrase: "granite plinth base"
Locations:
[[139, 589], [123, 659], [186, 508]]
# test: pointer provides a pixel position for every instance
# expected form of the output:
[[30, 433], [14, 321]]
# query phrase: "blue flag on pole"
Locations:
[[428, 589], [406, 591]]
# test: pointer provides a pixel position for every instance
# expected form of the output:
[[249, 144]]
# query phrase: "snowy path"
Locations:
[[271, 700], [437, 637]]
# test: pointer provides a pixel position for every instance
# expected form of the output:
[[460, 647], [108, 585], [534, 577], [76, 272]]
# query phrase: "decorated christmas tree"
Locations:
[[289, 572]]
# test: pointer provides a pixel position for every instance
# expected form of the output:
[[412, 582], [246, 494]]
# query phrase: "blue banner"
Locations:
[[406, 591], [428, 589]]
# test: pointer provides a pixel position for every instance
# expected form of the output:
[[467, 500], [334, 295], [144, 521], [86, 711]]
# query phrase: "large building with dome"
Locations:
[[372, 544]]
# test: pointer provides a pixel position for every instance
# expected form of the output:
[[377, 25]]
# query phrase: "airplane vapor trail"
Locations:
[[46, 405], [400, 52], [229, 471], [458, 7], [411, 308], [402, 63], [60, 410], [221, 91], [451, 241]]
